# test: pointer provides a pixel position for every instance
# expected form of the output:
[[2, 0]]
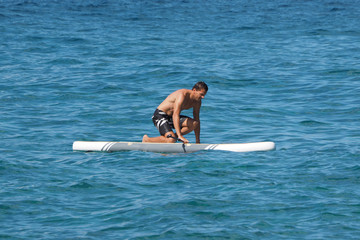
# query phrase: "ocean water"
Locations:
[[285, 71]]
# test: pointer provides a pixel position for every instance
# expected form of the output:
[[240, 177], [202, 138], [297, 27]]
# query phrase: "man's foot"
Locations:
[[145, 138]]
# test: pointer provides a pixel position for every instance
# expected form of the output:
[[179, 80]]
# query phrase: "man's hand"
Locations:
[[182, 139]]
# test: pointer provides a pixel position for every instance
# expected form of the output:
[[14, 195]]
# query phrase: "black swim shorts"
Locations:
[[164, 122]]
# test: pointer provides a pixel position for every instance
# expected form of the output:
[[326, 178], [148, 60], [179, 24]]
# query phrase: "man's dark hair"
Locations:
[[200, 85]]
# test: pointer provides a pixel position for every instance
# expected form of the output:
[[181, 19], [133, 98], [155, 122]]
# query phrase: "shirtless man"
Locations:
[[167, 115]]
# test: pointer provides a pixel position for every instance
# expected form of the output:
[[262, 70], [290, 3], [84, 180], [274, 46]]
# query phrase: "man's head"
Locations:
[[199, 89], [199, 86]]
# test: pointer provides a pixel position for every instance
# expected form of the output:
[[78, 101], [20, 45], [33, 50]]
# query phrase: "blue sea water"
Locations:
[[285, 71]]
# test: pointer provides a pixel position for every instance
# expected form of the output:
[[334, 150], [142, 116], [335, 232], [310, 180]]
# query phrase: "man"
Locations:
[[167, 115]]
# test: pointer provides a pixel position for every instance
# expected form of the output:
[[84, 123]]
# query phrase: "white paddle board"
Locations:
[[170, 147]]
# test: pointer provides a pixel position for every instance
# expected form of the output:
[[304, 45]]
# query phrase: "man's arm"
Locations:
[[176, 116], [196, 114]]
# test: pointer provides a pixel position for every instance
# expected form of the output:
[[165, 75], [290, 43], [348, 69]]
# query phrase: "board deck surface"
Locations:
[[169, 147]]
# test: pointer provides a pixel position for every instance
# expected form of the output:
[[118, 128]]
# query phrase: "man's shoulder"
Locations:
[[184, 91], [181, 92]]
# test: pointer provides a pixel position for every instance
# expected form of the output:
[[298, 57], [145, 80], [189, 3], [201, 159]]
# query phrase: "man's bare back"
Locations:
[[167, 115], [167, 105]]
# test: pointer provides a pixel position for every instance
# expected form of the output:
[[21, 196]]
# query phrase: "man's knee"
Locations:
[[196, 124], [170, 137], [192, 124], [170, 140]]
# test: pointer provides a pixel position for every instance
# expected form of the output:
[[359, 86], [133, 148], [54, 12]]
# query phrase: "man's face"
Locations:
[[200, 94]]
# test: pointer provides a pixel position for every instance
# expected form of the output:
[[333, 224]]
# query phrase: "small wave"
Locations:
[[66, 61], [82, 185], [311, 123]]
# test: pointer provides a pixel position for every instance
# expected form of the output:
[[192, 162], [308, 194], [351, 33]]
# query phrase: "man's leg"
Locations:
[[188, 126], [161, 139], [161, 121]]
